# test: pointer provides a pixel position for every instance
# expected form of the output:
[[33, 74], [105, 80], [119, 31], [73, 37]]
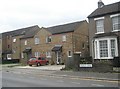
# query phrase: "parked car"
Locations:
[[38, 61]]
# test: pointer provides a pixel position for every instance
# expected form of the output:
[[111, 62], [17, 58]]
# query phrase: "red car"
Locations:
[[38, 61]]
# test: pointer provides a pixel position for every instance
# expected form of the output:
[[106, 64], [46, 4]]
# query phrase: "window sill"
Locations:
[[99, 33], [116, 31], [104, 58]]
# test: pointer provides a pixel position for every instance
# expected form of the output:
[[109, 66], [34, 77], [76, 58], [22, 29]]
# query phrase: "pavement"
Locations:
[[114, 77]]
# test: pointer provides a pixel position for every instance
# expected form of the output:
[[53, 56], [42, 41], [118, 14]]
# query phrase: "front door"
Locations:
[[58, 55]]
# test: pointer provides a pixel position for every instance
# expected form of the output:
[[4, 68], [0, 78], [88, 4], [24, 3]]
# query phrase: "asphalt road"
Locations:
[[35, 78]]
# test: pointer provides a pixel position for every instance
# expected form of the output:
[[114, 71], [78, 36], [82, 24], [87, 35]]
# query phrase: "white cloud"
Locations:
[[19, 13]]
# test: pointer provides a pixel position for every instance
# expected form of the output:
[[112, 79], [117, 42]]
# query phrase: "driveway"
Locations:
[[46, 67]]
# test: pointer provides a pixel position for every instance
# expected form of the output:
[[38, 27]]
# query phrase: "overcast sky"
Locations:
[[16, 14]]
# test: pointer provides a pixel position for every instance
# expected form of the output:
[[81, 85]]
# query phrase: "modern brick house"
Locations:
[[6, 46], [68, 39], [16, 39], [11, 42], [57, 43], [104, 31]]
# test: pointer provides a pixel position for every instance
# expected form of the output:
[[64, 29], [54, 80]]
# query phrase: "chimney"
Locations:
[[100, 4]]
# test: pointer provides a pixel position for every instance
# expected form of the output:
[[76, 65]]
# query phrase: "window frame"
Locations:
[[69, 53], [118, 23], [48, 54], [99, 26], [14, 40], [37, 40], [64, 38], [37, 54], [97, 48], [25, 42]]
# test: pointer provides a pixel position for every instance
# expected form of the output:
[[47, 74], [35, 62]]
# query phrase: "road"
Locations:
[[38, 78]]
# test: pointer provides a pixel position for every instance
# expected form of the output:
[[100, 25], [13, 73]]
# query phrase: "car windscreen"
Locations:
[[33, 58]]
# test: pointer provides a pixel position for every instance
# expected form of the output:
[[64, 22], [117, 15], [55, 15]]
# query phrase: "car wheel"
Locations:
[[47, 63], [30, 65], [38, 64]]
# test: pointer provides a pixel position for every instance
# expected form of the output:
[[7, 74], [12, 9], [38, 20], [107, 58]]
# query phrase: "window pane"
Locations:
[[37, 40], [100, 25], [116, 23], [64, 38], [112, 48], [103, 48]]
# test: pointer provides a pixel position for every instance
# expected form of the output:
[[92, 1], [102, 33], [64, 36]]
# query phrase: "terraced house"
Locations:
[[104, 31], [57, 43], [11, 43]]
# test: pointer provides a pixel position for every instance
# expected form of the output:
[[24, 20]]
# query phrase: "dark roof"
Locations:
[[31, 32], [27, 32], [106, 9], [57, 48], [70, 27], [105, 34]]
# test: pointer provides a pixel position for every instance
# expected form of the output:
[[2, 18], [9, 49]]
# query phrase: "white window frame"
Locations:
[[37, 40], [64, 38], [97, 48], [25, 42], [48, 54], [69, 54], [9, 56], [113, 16], [37, 54], [97, 26], [14, 40], [22, 55]]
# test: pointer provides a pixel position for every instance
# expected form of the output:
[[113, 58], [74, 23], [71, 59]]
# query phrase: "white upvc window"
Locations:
[[100, 26], [9, 57], [48, 39], [22, 55], [14, 40], [64, 38], [69, 53], [25, 42], [105, 48], [37, 40], [37, 54], [115, 22], [48, 54]]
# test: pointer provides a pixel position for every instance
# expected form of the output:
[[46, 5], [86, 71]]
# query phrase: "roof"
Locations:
[[31, 32], [27, 32], [70, 27], [106, 9]]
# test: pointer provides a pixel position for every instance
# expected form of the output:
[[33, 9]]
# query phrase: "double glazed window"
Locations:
[[48, 54], [105, 48], [25, 42], [64, 38], [116, 23], [100, 25], [37, 54], [37, 40]]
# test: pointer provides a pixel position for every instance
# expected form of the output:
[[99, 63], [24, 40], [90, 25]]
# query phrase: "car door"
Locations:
[[43, 60]]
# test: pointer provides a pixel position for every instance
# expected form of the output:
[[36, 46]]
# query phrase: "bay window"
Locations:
[[105, 48]]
